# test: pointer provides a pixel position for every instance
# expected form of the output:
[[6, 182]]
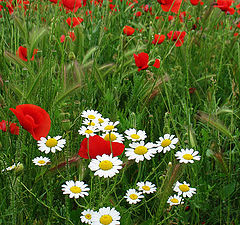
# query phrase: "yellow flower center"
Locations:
[[41, 161], [133, 196], [184, 188], [88, 216], [174, 200], [52, 142], [165, 143], [140, 150], [188, 156], [91, 117], [88, 131], [112, 136], [135, 136], [109, 127], [106, 165], [75, 189], [146, 188], [100, 120], [91, 124], [106, 219]]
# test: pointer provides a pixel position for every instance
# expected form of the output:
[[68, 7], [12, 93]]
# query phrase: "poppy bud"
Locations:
[[71, 56]]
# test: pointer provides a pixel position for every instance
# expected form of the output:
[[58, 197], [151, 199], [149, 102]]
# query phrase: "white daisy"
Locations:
[[92, 123], [139, 151], [41, 161], [14, 166], [109, 126], [166, 143], [87, 216], [187, 155], [102, 120], [146, 187], [106, 216], [132, 196], [184, 189], [105, 165], [88, 131], [91, 114], [115, 137], [75, 189], [175, 200], [134, 135], [51, 144]]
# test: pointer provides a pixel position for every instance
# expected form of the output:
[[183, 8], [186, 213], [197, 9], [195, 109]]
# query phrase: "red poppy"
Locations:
[[156, 63], [137, 14], [72, 5], [182, 16], [194, 2], [62, 38], [177, 37], [98, 146], [22, 53], [170, 18], [141, 60], [128, 30], [33, 119], [170, 5], [72, 35], [224, 5], [13, 128], [158, 39], [73, 22]]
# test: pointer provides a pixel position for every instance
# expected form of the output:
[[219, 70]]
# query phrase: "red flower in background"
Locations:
[[194, 2], [72, 5], [12, 127], [224, 5], [33, 119], [128, 30], [156, 63], [177, 37], [141, 60], [158, 39], [22, 53], [73, 22], [98, 146], [170, 5]]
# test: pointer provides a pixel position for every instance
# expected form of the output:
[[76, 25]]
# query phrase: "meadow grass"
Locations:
[[97, 71]]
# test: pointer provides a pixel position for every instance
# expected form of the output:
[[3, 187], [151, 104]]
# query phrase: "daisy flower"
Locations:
[[87, 216], [11, 167], [133, 197], [75, 189], [91, 114], [92, 123], [175, 200], [184, 189], [88, 131], [140, 151], [187, 155], [109, 126], [115, 137], [166, 143], [51, 144], [41, 161], [105, 165], [106, 216], [134, 135], [146, 187], [102, 120]]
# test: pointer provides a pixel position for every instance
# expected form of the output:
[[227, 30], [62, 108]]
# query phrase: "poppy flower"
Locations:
[[170, 18], [33, 119], [22, 53], [158, 39], [128, 30], [138, 14], [13, 128], [156, 63], [72, 5], [141, 60], [170, 5], [177, 37], [73, 22], [194, 2], [98, 146], [224, 5], [62, 38], [182, 16]]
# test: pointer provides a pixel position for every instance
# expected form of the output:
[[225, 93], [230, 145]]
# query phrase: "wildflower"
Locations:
[[98, 146], [182, 15], [187, 155], [62, 38], [175, 200], [14, 166], [141, 60], [72, 35], [138, 14], [114, 136], [72, 5], [177, 37], [132, 196], [8, 126], [105, 166], [156, 63], [158, 39], [184, 189], [224, 5], [91, 114], [75, 189], [51, 144], [87, 216], [146, 187], [166, 143], [109, 126], [33, 119], [140, 151], [134, 135], [170, 5], [41, 161], [194, 2], [88, 131], [170, 18], [93, 123], [128, 30], [106, 216], [22, 53], [73, 22]]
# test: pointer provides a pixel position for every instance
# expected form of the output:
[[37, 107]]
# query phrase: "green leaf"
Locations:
[[227, 190], [88, 54]]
